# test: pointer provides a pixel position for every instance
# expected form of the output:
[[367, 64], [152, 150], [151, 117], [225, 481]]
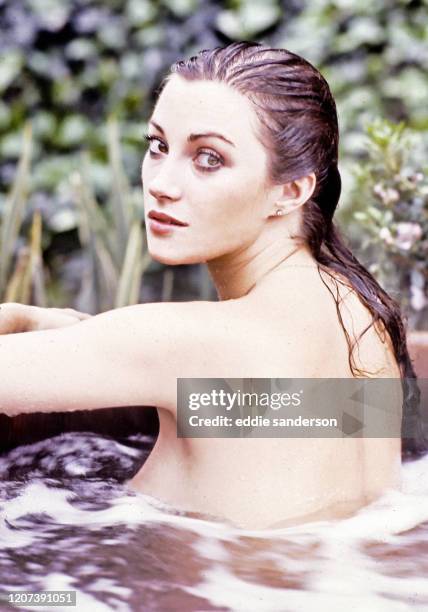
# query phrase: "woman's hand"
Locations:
[[16, 318]]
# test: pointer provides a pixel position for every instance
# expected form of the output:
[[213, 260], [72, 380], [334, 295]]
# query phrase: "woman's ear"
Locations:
[[294, 194]]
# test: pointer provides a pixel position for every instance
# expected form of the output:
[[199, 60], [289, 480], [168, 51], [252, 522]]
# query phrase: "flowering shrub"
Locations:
[[392, 211]]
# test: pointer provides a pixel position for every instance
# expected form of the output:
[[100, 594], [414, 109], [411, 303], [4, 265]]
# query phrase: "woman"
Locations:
[[242, 174]]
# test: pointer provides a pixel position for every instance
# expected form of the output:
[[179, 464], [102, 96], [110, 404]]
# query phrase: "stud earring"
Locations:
[[279, 212]]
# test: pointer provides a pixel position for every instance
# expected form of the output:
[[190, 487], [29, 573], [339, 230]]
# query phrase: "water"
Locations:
[[69, 522]]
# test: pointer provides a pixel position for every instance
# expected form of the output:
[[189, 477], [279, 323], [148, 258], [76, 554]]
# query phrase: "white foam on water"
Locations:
[[84, 601], [343, 575], [362, 564], [222, 588]]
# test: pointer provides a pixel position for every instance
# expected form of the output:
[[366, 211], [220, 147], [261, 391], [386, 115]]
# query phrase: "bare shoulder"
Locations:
[[299, 304], [227, 339], [185, 340], [374, 350], [190, 323], [195, 338]]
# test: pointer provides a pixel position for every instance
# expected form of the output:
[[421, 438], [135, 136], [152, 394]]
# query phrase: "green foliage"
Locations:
[[111, 237], [391, 208], [248, 17], [374, 55], [20, 276]]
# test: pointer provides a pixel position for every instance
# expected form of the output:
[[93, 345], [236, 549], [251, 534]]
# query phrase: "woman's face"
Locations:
[[217, 188]]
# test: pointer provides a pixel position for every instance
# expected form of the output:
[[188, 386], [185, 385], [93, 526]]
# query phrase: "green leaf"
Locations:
[[74, 130], [120, 201], [14, 209], [135, 262], [360, 216], [11, 63], [252, 17]]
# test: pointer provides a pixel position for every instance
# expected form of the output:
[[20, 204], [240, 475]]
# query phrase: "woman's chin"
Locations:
[[174, 260]]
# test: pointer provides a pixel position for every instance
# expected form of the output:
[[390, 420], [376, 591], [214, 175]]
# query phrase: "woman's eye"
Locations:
[[213, 161], [151, 139]]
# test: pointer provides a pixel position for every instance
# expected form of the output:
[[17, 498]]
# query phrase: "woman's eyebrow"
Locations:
[[193, 137]]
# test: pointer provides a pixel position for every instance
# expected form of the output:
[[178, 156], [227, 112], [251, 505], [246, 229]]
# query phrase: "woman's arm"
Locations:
[[16, 318], [130, 356]]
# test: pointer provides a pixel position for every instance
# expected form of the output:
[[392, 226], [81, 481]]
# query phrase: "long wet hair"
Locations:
[[299, 128]]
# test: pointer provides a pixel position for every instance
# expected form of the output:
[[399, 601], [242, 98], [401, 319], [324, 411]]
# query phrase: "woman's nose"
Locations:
[[164, 186], [161, 193]]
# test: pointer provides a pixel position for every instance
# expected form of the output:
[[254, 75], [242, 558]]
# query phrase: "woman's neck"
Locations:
[[236, 274]]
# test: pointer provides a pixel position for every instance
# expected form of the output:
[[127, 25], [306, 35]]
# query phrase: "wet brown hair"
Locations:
[[299, 128]]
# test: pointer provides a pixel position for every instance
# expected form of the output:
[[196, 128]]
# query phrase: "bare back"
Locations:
[[257, 483]]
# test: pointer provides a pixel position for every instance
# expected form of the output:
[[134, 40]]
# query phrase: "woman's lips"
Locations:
[[162, 223], [161, 227]]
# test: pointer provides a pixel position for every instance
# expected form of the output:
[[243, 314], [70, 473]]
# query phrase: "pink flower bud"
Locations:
[[407, 234]]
